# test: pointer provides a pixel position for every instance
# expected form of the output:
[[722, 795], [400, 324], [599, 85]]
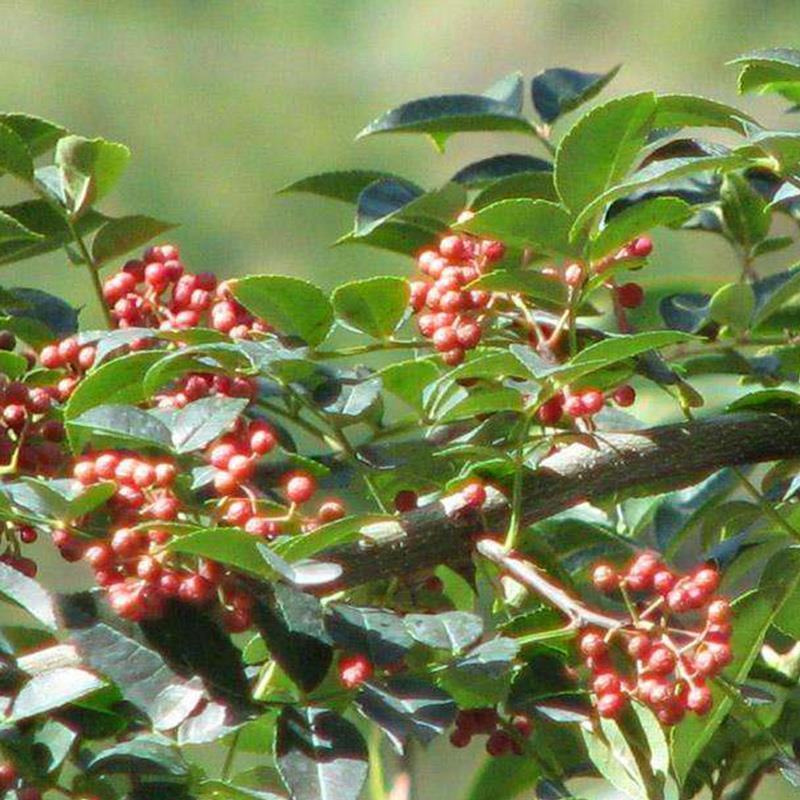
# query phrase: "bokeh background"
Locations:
[[223, 103]]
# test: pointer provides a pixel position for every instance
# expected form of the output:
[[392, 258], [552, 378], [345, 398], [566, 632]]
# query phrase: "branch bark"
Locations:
[[593, 467]]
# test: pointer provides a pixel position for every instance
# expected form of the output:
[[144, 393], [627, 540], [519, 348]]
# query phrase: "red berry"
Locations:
[[573, 406], [639, 646], [8, 776], [262, 438], [261, 526], [330, 511], [354, 670], [592, 644], [630, 295], [624, 396], [225, 484], [460, 737], [221, 454], [606, 683], [522, 724], [707, 579], [719, 611], [469, 335], [445, 339], [405, 500], [610, 705], [299, 486], [705, 664], [50, 357], [605, 578], [99, 556], [573, 275], [27, 534], [661, 660], [453, 357], [641, 247], [165, 474], [550, 412], [105, 465], [494, 251], [699, 700], [68, 349], [165, 508], [498, 743], [663, 581], [84, 472], [196, 589], [240, 467], [474, 494]]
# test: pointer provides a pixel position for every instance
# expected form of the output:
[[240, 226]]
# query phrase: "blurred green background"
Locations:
[[223, 103]]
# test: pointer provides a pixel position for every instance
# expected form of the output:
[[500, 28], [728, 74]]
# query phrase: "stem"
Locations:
[[390, 344], [765, 505], [528, 574], [229, 756], [516, 498], [93, 272]]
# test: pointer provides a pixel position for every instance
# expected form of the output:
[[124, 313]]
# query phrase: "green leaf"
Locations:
[[346, 185], [117, 426], [199, 423], [733, 305], [291, 623], [499, 109], [691, 111], [601, 147], [226, 545], [538, 224], [320, 755], [28, 594], [293, 306], [89, 168], [535, 185], [557, 91], [481, 677], [771, 245], [116, 382], [396, 236], [505, 778], [766, 400], [782, 146], [374, 306], [39, 135], [15, 158], [768, 70], [148, 754], [637, 219], [409, 379], [656, 172], [613, 757], [52, 689], [343, 531], [744, 210], [119, 236], [13, 231], [529, 282], [12, 365], [448, 630], [482, 401]]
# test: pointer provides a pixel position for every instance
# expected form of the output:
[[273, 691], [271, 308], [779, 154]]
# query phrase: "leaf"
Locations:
[[637, 219], [13, 231], [766, 400], [293, 306], [89, 168], [557, 91], [52, 689], [27, 594], [482, 676], [408, 380], [60, 317], [482, 401], [489, 170], [405, 707], [119, 236], [15, 158], [772, 245], [39, 135], [504, 777], [691, 111], [380, 635], [525, 281], [744, 211], [200, 422], [534, 185], [773, 67], [733, 305], [226, 545], [346, 185], [601, 147], [374, 306], [448, 630], [389, 200], [116, 382], [613, 757], [12, 365], [342, 531], [754, 612], [773, 292], [539, 224], [441, 116], [320, 755], [118, 426], [219, 790], [148, 754], [396, 236], [685, 312], [656, 172], [291, 623], [782, 146]]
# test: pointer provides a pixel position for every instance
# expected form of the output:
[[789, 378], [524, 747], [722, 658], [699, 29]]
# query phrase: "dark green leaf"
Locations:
[[200, 422], [380, 635], [408, 379], [119, 236], [489, 170], [685, 312], [482, 401], [293, 306], [28, 594], [291, 623], [320, 755], [744, 210], [773, 292], [118, 426], [405, 707], [601, 147], [440, 117], [12, 365], [396, 236], [58, 315], [374, 306], [148, 754], [482, 677], [534, 185], [346, 185], [560, 90], [39, 135], [448, 630], [15, 157]]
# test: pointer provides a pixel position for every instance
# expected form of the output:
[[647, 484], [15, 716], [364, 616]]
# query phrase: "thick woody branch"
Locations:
[[593, 467]]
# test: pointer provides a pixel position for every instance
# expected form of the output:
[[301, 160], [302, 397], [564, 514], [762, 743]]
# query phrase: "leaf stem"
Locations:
[[230, 755]]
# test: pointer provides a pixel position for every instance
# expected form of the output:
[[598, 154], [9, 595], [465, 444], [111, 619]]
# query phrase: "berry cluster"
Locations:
[[197, 385], [14, 536], [667, 662], [450, 314], [583, 403], [157, 292], [503, 736]]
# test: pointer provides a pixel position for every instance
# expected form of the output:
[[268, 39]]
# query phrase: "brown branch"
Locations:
[[593, 467]]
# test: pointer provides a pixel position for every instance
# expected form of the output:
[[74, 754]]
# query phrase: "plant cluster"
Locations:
[[320, 557]]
